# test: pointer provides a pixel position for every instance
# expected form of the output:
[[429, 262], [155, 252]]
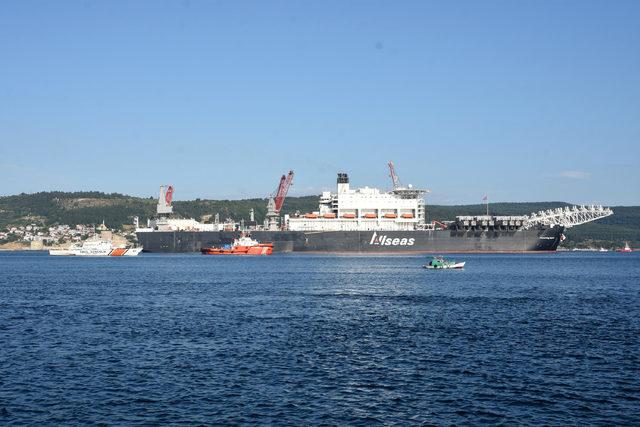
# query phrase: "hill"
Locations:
[[49, 208]]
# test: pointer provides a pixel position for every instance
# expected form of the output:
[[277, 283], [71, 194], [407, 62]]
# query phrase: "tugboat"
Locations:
[[242, 246], [626, 248], [439, 262]]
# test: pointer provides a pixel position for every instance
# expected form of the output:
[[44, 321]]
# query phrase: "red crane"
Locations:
[[394, 177], [283, 189], [441, 224], [169, 195]]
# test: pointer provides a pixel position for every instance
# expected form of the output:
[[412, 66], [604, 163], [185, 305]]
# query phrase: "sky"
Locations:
[[521, 101]]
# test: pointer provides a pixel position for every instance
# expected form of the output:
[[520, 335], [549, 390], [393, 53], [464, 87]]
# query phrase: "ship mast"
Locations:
[[486, 199], [394, 177]]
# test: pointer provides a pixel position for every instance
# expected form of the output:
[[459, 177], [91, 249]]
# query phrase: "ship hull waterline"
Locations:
[[367, 242]]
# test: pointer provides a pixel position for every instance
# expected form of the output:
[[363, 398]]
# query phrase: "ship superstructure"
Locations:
[[364, 209]]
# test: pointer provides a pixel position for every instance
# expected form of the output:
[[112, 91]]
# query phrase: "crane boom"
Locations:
[[283, 189], [394, 177]]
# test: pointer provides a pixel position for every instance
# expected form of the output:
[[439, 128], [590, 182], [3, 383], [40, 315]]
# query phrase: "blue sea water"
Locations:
[[303, 339]]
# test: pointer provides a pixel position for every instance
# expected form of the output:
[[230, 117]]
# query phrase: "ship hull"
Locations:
[[418, 241]]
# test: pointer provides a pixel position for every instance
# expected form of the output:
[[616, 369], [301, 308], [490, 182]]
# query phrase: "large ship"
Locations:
[[369, 220]]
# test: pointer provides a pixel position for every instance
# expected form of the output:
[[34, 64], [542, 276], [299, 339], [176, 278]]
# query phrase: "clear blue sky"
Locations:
[[525, 101]]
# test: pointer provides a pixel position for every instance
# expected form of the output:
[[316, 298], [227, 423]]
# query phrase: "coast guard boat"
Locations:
[[96, 247]]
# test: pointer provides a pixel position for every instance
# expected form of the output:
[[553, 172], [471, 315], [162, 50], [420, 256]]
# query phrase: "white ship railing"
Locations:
[[568, 217]]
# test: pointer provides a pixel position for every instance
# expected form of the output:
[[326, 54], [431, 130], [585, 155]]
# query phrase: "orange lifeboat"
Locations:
[[242, 246], [390, 215], [329, 215], [310, 216], [370, 216], [407, 215], [349, 216]]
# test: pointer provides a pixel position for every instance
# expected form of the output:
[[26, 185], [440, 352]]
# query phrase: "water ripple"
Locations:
[[319, 340]]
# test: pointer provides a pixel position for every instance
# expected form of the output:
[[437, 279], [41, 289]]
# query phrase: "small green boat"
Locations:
[[439, 262]]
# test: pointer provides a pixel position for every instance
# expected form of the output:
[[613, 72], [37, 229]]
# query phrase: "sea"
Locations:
[[295, 339]]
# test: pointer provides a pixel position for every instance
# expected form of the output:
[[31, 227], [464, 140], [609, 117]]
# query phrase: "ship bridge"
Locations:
[[364, 209]]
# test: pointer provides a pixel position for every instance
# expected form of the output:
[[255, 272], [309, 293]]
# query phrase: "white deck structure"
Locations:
[[364, 209]]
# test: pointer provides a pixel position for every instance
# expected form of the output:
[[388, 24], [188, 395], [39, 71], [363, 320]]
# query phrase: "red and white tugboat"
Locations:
[[626, 248], [245, 245]]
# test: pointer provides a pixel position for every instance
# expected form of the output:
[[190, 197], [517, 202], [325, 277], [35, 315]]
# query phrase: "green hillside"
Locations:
[[49, 208], [117, 209]]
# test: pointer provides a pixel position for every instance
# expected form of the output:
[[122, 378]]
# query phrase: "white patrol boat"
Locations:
[[96, 247]]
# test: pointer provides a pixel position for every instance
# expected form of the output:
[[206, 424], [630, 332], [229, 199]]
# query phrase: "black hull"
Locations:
[[419, 241]]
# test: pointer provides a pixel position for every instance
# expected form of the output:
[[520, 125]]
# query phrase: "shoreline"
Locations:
[[28, 249]]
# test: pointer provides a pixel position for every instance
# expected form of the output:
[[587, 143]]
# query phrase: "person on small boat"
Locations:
[[437, 261], [440, 262]]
